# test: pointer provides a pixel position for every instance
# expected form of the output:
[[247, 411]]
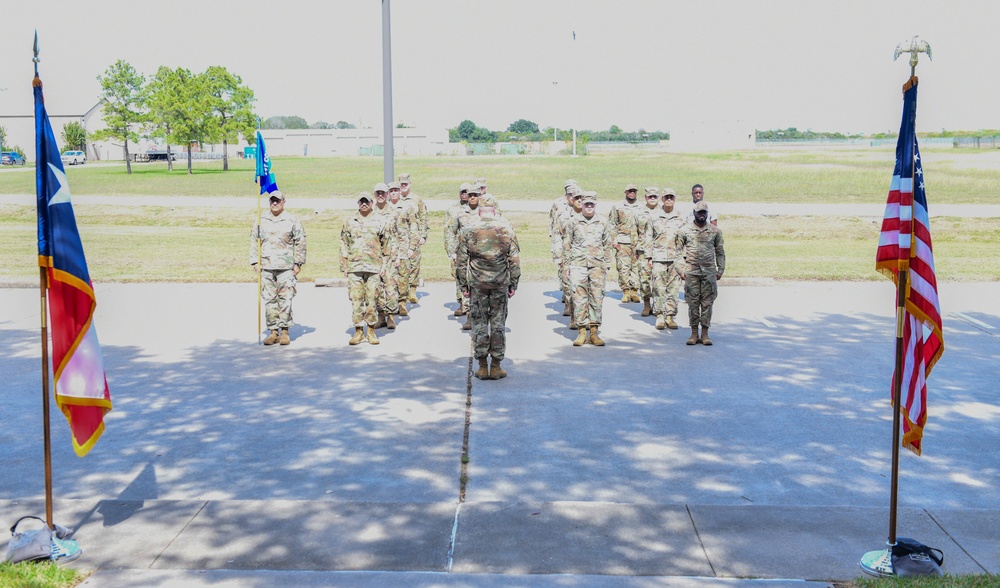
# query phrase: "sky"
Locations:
[[643, 64]]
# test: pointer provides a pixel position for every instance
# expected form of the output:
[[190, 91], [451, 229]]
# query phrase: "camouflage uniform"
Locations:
[[387, 294], [661, 249], [587, 251], [408, 234], [621, 219], [423, 229], [451, 248], [282, 247], [365, 253], [645, 277], [702, 255], [557, 227], [488, 266], [466, 217]]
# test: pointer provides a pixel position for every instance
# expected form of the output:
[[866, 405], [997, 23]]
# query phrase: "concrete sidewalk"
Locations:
[[643, 463]]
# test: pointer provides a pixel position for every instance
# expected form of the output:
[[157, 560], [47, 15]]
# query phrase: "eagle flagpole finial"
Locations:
[[913, 47]]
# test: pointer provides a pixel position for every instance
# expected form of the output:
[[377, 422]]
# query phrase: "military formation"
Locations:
[[655, 250]]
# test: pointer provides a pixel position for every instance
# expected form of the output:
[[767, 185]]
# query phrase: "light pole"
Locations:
[[387, 128]]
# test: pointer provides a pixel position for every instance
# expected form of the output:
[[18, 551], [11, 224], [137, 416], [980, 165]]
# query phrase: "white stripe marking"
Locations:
[[969, 319]]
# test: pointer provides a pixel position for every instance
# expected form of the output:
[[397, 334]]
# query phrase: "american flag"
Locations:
[[905, 244], [81, 388]]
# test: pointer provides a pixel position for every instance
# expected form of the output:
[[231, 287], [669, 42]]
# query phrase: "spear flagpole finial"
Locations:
[[35, 60]]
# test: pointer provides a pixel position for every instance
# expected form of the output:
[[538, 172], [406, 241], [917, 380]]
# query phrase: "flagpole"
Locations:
[[259, 272], [879, 563], [43, 285]]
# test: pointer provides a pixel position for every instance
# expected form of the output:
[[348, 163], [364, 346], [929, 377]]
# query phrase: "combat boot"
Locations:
[[413, 294], [372, 337], [380, 323], [284, 339], [635, 296], [402, 309], [581, 338], [572, 316], [467, 326], [568, 309], [660, 324], [497, 372], [626, 295], [460, 311], [670, 323], [359, 335], [272, 338], [704, 336], [594, 339], [646, 308], [390, 322], [483, 372], [693, 339]]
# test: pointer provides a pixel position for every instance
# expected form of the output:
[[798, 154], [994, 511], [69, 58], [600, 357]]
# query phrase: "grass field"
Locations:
[[211, 244], [833, 176]]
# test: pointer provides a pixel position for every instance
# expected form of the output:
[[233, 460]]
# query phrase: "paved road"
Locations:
[[646, 462]]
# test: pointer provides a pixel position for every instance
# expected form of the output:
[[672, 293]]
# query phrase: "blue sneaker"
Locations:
[[65, 550]]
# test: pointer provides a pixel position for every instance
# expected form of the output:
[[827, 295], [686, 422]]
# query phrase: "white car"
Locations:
[[74, 157]]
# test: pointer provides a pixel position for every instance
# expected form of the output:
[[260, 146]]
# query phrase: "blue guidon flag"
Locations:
[[905, 244], [264, 174], [81, 387]]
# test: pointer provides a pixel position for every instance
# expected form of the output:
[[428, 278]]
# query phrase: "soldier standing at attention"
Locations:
[[575, 199], [365, 254], [622, 222], [661, 251], [702, 261], [282, 243], [418, 203], [408, 234], [488, 269], [451, 243], [587, 249], [561, 209], [387, 294], [652, 195], [469, 215]]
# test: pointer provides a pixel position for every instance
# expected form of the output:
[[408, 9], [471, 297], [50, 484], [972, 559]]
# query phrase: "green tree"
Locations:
[[74, 136], [615, 130], [523, 127], [231, 106], [124, 93], [465, 130], [182, 109], [341, 124], [164, 107], [285, 122], [3, 137]]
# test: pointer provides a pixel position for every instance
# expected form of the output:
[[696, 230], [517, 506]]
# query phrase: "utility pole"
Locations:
[[387, 149]]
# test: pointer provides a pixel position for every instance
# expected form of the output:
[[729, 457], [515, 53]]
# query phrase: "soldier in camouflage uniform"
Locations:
[[468, 215], [488, 268], [560, 210], [621, 218], [702, 261], [387, 293], [587, 248], [365, 254], [413, 271], [575, 199], [280, 241], [661, 252], [641, 220], [451, 243], [408, 234]]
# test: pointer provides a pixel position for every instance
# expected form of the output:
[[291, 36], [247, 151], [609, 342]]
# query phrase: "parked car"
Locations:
[[11, 158], [74, 157]]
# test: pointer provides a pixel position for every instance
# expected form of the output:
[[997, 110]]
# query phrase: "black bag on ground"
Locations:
[[912, 558]]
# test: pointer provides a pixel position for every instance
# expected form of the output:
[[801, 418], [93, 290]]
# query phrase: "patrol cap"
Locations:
[[394, 186], [475, 189], [631, 187], [481, 181], [488, 200], [569, 183], [702, 205], [577, 190], [380, 187], [590, 196], [277, 196], [652, 191], [364, 196], [464, 187], [480, 185], [404, 178], [669, 192]]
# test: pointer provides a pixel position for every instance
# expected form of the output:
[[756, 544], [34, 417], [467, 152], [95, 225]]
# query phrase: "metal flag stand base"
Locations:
[[878, 563]]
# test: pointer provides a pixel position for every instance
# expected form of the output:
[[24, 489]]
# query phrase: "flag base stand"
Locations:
[[878, 563]]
